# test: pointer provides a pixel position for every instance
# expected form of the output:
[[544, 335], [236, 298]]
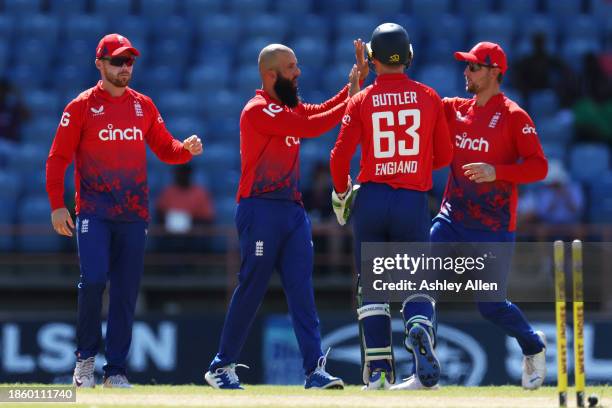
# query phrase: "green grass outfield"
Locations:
[[294, 396]]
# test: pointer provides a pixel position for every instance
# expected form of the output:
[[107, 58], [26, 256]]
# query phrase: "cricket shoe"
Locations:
[[412, 383], [225, 378], [83, 376], [534, 367], [427, 364], [116, 381], [321, 379], [377, 381]]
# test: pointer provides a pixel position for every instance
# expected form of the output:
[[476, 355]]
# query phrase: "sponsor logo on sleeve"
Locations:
[[272, 109], [346, 120], [292, 141], [527, 130], [65, 120]]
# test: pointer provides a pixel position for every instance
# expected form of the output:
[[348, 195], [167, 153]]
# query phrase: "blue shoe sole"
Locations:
[[427, 364]]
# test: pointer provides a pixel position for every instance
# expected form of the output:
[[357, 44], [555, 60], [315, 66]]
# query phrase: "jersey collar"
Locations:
[[391, 77], [105, 95], [493, 101]]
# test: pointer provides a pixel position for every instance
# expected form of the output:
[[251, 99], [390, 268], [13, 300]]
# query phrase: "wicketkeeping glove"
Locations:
[[343, 203]]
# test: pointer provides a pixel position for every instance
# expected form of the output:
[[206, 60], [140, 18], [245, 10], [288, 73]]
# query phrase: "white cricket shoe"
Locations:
[[116, 381], [378, 381], [412, 383], [83, 376], [534, 367], [225, 378]]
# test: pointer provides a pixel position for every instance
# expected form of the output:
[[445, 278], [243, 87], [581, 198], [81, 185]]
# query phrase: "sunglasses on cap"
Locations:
[[474, 67], [120, 61]]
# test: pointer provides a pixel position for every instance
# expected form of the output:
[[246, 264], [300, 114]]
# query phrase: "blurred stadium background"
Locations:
[[198, 64]]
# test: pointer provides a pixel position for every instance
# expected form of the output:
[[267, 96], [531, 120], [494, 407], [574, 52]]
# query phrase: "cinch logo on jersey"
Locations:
[[120, 134], [464, 142], [529, 130]]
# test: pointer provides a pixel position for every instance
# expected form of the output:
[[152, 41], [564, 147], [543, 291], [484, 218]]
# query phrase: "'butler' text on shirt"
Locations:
[[387, 99]]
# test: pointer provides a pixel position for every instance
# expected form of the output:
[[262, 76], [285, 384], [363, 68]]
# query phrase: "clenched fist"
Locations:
[[193, 144]]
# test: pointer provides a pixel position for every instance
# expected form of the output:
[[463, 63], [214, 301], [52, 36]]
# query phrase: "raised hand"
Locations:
[[360, 60], [354, 76]]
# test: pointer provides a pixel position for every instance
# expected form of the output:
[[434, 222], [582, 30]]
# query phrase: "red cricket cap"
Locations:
[[112, 45], [485, 53]]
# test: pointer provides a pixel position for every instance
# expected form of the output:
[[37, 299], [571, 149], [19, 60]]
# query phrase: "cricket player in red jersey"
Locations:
[[105, 130], [496, 148], [273, 227], [402, 130]]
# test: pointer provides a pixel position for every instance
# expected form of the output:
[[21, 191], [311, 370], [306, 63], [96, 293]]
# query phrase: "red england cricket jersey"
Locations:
[[106, 137], [270, 143], [402, 130], [503, 135]]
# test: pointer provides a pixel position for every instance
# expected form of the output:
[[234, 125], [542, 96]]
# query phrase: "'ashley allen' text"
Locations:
[[474, 285]]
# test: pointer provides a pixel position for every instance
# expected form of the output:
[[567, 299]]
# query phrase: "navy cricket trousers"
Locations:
[[384, 214], [274, 234], [504, 314], [109, 251]]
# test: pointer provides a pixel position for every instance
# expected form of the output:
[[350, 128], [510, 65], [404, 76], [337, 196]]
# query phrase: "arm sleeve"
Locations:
[[449, 108], [442, 146], [534, 165], [65, 144], [282, 122], [346, 144], [163, 144]]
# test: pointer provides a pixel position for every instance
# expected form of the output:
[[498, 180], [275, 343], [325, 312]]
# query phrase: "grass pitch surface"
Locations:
[[293, 396]]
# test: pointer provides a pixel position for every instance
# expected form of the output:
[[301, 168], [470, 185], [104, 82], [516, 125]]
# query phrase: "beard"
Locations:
[[475, 88], [119, 80], [286, 91]]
